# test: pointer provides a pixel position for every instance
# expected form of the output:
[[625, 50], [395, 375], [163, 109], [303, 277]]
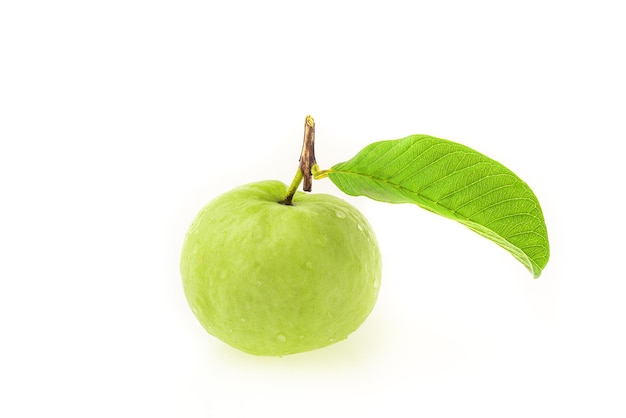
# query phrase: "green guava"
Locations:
[[274, 279]]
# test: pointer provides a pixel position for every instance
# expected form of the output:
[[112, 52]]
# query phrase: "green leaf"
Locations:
[[454, 181]]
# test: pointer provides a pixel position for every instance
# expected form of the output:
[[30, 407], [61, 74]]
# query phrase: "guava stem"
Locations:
[[307, 157], [288, 200], [306, 165]]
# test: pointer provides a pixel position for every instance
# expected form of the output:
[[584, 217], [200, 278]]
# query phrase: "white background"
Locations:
[[119, 120]]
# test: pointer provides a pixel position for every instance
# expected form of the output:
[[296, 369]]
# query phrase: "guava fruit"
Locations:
[[272, 279]]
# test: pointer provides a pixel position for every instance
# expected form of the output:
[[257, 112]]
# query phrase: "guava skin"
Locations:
[[272, 279]]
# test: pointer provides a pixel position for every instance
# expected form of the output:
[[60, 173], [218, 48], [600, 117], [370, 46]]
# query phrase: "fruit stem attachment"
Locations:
[[307, 163], [288, 200]]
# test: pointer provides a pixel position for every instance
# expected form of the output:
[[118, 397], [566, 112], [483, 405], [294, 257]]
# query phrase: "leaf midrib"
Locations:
[[397, 186], [453, 214]]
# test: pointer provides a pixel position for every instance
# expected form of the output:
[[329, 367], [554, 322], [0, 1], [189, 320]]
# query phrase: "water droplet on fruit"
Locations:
[[309, 265], [242, 319], [360, 227], [195, 249], [281, 338], [340, 214], [376, 284], [331, 340]]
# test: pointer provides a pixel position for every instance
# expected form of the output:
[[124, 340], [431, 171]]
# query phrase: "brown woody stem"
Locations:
[[307, 162]]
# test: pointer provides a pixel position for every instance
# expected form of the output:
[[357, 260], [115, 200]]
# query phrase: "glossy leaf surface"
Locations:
[[454, 181]]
